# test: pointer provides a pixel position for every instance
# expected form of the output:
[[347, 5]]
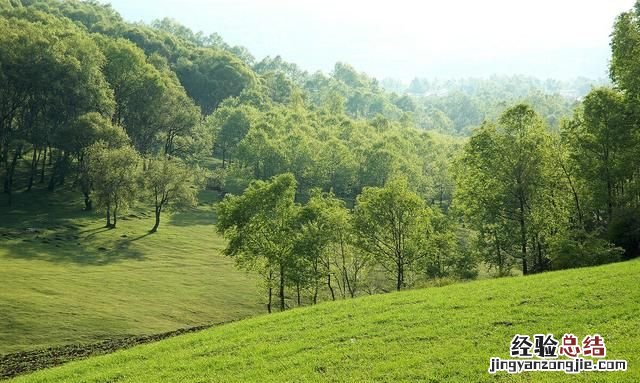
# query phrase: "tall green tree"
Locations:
[[76, 138], [393, 224], [171, 185], [51, 74], [151, 104], [114, 176], [231, 124], [602, 143], [625, 42], [258, 225], [502, 183], [211, 76], [325, 241]]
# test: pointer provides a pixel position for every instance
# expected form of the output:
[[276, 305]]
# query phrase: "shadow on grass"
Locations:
[[194, 217], [66, 244], [204, 214], [96, 231], [41, 207], [42, 225], [142, 236], [209, 197]]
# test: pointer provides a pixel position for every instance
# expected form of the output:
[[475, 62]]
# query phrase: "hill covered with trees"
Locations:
[[335, 187], [457, 106]]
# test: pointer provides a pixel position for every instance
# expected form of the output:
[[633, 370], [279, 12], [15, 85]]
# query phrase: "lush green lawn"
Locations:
[[66, 279], [435, 335]]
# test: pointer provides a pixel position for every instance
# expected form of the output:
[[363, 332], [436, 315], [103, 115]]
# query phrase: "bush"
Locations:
[[237, 179], [624, 231], [217, 180], [578, 248]]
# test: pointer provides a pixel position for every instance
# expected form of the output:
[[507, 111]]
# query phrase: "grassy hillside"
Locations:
[[66, 279], [436, 334]]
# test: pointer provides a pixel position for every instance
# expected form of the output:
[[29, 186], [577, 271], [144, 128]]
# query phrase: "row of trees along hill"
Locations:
[[530, 195], [301, 246], [335, 188]]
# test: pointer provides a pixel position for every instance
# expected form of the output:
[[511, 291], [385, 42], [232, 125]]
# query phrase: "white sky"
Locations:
[[404, 38]]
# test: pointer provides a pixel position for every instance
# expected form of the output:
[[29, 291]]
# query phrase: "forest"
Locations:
[[332, 185]]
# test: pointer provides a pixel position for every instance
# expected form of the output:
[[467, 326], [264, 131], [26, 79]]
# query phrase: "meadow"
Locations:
[[428, 335], [65, 279]]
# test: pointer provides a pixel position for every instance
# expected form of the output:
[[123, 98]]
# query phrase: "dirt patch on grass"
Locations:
[[19, 363]]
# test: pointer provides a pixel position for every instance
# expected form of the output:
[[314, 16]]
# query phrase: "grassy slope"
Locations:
[[435, 334], [59, 287]]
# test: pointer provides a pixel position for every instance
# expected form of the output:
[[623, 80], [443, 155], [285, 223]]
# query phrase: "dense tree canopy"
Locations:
[[335, 184]]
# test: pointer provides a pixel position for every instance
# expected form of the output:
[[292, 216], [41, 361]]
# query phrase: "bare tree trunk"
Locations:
[[63, 168], [400, 277], [52, 180], [269, 304], [88, 204], [541, 262], [499, 254], [44, 164], [115, 215], [333, 295], [523, 239], [349, 288], [315, 293], [576, 200], [158, 211], [108, 215], [281, 292], [54, 171], [609, 201], [10, 172], [34, 166], [345, 274]]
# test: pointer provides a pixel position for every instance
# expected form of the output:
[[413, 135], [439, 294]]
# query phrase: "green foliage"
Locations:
[[625, 40], [579, 249], [212, 76], [114, 177], [457, 106], [624, 231], [603, 146], [338, 167], [230, 124], [78, 137], [86, 130], [337, 183], [171, 185], [449, 253], [151, 104], [505, 188], [326, 242], [393, 225], [278, 65], [51, 74], [258, 225]]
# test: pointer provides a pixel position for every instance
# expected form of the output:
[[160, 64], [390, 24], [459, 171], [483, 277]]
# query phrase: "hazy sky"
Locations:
[[408, 38]]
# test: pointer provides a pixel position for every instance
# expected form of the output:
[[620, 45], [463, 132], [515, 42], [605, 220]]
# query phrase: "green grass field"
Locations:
[[444, 334], [64, 278]]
